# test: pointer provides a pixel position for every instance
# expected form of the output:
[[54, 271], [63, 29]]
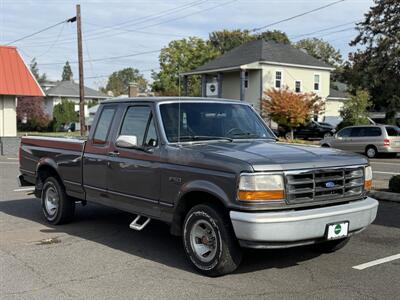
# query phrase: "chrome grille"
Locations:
[[324, 184]]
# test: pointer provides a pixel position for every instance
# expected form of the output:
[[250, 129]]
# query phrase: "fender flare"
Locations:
[[202, 186]]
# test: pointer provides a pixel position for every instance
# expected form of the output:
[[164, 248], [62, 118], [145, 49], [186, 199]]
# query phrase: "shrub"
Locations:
[[31, 115], [394, 184], [64, 113]]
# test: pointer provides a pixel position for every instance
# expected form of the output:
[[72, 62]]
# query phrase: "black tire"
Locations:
[[331, 246], [371, 152], [65, 210], [325, 146], [228, 253]]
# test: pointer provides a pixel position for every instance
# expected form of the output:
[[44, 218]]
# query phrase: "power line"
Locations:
[[103, 58], [42, 30], [296, 16], [322, 30], [100, 32], [103, 76]]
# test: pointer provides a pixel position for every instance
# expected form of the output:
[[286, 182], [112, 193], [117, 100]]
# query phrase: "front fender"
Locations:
[[203, 186]]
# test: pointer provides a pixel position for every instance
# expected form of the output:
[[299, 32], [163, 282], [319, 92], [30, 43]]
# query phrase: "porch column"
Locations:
[[220, 77], [185, 85], [242, 77], [203, 85]]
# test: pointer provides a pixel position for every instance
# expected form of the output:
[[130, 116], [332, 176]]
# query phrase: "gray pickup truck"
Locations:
[[209, 168]]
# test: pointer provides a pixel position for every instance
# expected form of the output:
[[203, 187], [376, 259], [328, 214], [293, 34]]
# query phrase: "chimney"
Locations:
[[133, 90]]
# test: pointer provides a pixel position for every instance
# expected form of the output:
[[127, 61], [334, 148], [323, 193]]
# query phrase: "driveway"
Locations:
[[99, 257]]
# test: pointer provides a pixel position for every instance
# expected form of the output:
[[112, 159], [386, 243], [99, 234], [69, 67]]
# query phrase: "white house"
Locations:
[[248, 71], [56, 91]]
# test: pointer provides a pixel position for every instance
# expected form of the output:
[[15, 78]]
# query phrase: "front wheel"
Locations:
[[209, 241], [57, 207]]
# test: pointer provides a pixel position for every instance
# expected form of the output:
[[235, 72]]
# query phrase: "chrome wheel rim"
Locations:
[[203, 240], [51, 201], [371, 152]]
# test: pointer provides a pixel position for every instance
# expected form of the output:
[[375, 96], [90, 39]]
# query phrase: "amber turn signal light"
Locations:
[[261, 195]]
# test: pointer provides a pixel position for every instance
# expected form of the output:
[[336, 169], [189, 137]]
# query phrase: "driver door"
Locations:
[[134, 172]]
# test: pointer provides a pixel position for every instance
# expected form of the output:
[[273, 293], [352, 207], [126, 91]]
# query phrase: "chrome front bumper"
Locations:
[[285, 228]]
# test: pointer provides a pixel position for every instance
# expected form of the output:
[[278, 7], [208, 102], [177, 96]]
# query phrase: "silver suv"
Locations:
[[368, 139]]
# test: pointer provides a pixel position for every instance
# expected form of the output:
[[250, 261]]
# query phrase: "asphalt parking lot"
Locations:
[[99, 257]]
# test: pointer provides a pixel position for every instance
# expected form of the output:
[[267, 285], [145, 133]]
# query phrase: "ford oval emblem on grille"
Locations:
[[330, 184]]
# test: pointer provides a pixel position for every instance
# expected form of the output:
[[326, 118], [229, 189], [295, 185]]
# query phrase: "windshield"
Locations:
[[210, 121]]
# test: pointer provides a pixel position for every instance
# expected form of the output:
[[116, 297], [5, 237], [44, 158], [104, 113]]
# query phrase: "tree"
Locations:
[[225, 40], [273, 35], [67, 72], [355, 110], [179, 56], [290, 109], [118, 82], [31, 115], [322, 50], [35, 71], [376, 66], [64, 113]]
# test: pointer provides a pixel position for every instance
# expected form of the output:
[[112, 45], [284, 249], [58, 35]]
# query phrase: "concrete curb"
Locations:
[[385, 196]]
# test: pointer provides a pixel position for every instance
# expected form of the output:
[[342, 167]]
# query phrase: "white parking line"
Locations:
[[24, 189], [377, 262], [8, 163], [390, 173]]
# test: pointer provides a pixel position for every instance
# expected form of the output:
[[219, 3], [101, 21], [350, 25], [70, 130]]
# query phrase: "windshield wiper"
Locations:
[[203, 138], [246, 135]]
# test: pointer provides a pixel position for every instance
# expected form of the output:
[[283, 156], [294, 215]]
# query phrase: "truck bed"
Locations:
[[64, 154]]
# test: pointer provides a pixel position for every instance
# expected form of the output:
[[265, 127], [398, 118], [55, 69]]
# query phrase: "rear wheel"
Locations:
[[371, 151], [56, 206], [209, 241], [331, 246], [325, 146]]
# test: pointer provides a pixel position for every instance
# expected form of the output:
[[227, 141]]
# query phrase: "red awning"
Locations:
[[15, 77]]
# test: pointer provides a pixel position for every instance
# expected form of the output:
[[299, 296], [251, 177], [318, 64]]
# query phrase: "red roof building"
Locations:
[[15, 80]]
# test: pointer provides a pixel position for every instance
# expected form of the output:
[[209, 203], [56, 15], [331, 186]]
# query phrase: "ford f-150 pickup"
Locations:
[[209, 168]]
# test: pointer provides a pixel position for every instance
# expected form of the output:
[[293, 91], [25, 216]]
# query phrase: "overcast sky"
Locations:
[[115, 28]]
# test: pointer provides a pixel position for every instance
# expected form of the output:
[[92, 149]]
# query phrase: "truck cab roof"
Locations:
[[171, 99]]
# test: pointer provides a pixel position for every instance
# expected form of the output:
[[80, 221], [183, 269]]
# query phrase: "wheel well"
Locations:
[[186, 203], [43, 173], [371, 146], [325, 145]]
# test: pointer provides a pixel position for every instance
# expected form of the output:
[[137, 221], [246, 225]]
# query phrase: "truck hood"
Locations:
[[272, 156]]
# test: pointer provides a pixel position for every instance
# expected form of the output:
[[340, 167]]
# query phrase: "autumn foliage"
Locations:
[[290, 109], [31, 115]]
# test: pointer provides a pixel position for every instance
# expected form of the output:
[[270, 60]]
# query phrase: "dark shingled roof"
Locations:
[[260, 50], [71, 89]]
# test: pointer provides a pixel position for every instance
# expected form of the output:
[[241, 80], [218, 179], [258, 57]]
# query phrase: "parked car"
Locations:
[[311, 130], [369, 139], [210, 169]]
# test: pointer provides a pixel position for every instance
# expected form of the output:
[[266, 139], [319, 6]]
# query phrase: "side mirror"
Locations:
[[126, 141]]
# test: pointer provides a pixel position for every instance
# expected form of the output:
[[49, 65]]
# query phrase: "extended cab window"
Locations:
[[103, 125], [139, 122]]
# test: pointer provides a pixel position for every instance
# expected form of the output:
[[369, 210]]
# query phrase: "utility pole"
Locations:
[[80, 63]]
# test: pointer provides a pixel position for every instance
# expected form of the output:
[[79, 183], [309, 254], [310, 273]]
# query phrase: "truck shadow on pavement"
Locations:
[[110, 227]]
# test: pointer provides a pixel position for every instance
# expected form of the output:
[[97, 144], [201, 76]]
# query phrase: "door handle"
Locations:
[[113, 153]]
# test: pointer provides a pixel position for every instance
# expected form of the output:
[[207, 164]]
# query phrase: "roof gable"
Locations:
[[15, 77], [70, 88], [260, 50]]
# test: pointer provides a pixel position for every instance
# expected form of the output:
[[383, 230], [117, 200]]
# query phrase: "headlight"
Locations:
[[368, 178], [261, 187]]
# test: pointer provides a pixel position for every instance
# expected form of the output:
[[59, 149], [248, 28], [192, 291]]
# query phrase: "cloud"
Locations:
[[21, 17]]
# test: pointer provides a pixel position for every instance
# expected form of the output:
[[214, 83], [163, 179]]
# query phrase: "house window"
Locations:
[[316, 82], [246, 79], [297, 84], [278, 79]]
